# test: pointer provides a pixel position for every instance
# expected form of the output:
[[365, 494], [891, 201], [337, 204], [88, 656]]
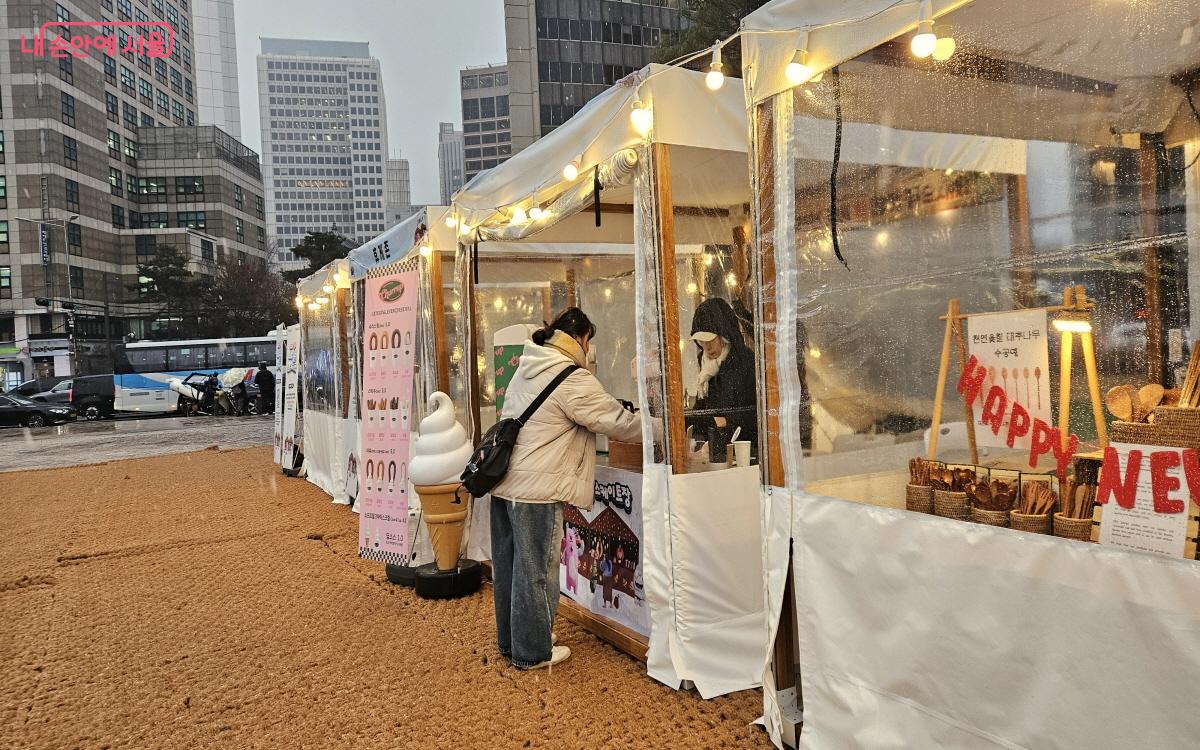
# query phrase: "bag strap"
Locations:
[[545, 394]]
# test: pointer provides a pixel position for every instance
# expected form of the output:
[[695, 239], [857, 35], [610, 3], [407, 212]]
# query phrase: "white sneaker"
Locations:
[[558, 655]]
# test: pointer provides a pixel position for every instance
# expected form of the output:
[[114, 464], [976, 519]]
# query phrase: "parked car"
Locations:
[[59, 394], [18, 411], [38, 385], [93, 396]]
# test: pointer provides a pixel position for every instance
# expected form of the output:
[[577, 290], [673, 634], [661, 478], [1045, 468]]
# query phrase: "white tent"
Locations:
[[916, 631], [539, 244]]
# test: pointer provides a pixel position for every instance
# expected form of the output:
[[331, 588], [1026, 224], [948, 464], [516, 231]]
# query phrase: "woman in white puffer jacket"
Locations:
[[553, 462]]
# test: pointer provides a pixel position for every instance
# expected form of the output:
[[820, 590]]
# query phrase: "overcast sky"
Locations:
[[421, 45]]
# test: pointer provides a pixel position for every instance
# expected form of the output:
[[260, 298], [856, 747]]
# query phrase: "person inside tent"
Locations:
[[725, 389]]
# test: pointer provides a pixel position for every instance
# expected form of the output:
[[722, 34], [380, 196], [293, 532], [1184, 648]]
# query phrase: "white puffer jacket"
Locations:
[[555, 456]]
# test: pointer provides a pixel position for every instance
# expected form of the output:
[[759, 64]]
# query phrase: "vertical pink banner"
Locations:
[[389, 353]]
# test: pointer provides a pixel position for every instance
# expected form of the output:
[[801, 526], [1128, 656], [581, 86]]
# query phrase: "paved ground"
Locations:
[[113, 440], [204, 600]]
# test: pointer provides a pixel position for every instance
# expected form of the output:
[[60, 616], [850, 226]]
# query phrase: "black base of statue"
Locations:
[[451, 584], [402, 575]]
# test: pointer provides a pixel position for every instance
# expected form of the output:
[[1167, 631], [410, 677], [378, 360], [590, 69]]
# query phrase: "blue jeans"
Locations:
[[525, 561]]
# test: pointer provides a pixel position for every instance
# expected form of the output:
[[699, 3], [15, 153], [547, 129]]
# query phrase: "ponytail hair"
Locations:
[[571, 321]]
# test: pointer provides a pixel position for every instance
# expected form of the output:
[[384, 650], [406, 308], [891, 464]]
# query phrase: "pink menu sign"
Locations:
[[389, 353]]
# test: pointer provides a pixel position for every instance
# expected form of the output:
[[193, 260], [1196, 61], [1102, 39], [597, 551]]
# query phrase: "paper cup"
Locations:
[[741, 452]]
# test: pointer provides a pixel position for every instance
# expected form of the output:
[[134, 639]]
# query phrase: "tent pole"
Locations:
[[438, 303], [471, 345], [665, 228]]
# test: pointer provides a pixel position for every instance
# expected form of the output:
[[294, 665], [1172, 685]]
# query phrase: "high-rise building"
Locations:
[[451, 161], [216, 66], [561, 55], [397, 192], [99, 157], [324, 141], [487, 137]]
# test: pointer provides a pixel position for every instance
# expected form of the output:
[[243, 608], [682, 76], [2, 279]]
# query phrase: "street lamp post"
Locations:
[[50, 271]]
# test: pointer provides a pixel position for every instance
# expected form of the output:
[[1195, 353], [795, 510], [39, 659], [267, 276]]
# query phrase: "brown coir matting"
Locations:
[[204, 600]]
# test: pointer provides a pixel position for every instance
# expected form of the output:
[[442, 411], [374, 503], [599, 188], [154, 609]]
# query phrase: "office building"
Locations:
[[324, 142], [487, 137], [82, 139], [451, 161], [561, 55], [216, 66], [397, 192]]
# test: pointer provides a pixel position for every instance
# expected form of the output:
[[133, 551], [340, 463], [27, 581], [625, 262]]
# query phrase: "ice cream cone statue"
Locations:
[[439, 455]]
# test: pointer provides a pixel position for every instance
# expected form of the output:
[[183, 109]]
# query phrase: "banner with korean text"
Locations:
[[388, 356]]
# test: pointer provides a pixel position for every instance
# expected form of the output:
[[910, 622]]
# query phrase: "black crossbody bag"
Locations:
[[489, 462]]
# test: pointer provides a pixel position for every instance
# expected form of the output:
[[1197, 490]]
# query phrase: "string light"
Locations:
[[536, 212], [708, 259], [692, 288], [425, 250], [642, 118], [731, 280], [327, 288], [716, 75], [571, 171], [451, 222], [518, 216], [313, 305], [322, 300], [926, 43], [798, 70]]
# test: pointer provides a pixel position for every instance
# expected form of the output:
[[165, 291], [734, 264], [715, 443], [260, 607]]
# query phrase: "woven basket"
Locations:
[[918, 498], [951, 505], [1173, 426], [990, 517], [1073, 528], [1032, 524]]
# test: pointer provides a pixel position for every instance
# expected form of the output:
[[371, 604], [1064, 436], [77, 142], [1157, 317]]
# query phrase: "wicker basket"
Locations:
[[1032, 524], [1174, 426], [990, 517], [951, 505], [1079, 529], [918, 498]]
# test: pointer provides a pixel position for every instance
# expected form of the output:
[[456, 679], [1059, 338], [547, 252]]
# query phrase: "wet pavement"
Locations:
[[112, 440]]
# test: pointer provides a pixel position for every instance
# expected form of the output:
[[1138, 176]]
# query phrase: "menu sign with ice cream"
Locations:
[[389, 352], [1012, 349]]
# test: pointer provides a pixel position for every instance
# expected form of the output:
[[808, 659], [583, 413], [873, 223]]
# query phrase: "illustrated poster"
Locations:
[[601, 552], [506, 360], [291, 399], [1012, 347], [389, 354], [277, 417], [1140, 527]]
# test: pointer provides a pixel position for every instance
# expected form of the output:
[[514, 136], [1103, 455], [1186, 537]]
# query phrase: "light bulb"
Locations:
[[571, 171], [327, 288], [464, 229], [425, 250], [299, 301], [731, 280], [798, 70], [537, 213], [313, 305], [322, 300], [518, 216], [944, 48], [716, 75], [715, 78], [451, 222], [498, 303], [642, 119], [708, 259], [692, 288], [925, 41]]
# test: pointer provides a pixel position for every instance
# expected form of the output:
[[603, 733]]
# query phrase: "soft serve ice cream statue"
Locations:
[[442, 449], [439, 456]]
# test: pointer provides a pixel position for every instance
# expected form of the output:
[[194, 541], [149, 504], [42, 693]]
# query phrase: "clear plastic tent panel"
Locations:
[[1056, 149]]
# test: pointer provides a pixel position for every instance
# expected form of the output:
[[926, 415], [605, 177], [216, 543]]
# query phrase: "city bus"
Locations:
[[143, 370]]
